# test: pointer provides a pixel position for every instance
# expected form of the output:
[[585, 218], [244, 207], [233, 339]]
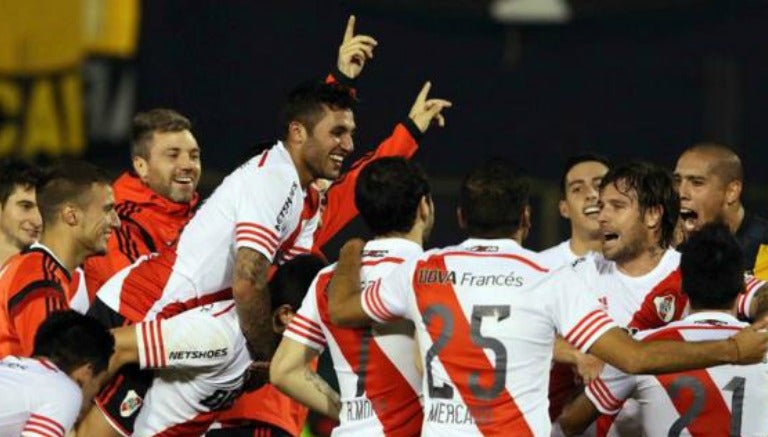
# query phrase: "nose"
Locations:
[[684, 190], [347, 143]]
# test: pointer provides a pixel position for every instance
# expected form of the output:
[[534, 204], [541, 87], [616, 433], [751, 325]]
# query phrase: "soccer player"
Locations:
[[486, 314], [378, 381], [579, 188], [721, 400], [20, 221], [156, 198], [44, 395], [710, 180], [78, 212], [200, 357]]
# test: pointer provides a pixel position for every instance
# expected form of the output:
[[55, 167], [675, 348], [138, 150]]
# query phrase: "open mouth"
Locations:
[[339, 159], [591, 211], [610, 236], [689, 218], [186, 180]]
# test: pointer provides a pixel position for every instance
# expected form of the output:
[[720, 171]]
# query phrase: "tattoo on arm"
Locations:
[[249, 289], [333, 397]]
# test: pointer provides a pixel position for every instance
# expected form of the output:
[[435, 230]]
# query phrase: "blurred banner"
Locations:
[[66, 74]]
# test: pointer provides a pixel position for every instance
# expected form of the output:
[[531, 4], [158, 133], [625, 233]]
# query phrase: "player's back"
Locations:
[[488, 314], [36, 397], [379, 385], [721, 400]]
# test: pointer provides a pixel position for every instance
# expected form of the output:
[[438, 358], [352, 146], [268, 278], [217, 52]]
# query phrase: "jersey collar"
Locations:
[[38, 246], [490, 244], [400, 247], [715, 316]]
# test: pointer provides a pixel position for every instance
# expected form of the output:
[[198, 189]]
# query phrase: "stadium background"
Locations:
[[623, 78]]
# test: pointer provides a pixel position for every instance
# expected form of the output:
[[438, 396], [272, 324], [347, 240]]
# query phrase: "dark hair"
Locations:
[[145, 124], [492, 199], [67, 181], [653, 186], [15, 173], [305, 103], [70, 340], [388, 192], [291, 280], [711, 265], [575, 160]]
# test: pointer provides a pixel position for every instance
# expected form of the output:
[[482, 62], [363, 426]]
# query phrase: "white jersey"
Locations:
[[559, 255], [201, 357], [378, 381], [486, 315], [638, 302], [258, 206], [36, 398], [717, 401]]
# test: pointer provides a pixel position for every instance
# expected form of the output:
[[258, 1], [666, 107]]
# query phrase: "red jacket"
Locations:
[[148, 222]]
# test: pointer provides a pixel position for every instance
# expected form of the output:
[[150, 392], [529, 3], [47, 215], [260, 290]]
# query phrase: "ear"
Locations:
[[297, 132], [565, 212], [281, 317], [82, 374], [733, 192], [652, 216], [425, 208], [141, 167], [70, 214], [525, 219], [461, 219]]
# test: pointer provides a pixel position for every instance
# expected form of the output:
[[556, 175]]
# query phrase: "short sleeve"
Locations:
[[385, 299], [263, 210], [608, 392], [305, 327], [55, 412], [578, 316], [744, 299], [198, 338], [30, 307]]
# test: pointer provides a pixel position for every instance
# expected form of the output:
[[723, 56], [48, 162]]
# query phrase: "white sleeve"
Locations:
[[386, 299], [263, 207], [305, 327], [578, 316], [56, 412], [744, 299], [194, 339], [608, 392]]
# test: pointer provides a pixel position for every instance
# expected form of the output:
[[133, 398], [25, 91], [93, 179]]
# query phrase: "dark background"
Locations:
[[626, 79]]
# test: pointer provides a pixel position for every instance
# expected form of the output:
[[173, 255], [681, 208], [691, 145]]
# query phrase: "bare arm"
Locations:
[[291, 374], [578, 415], [617, 348], [126, 349], [249, 289], [344, 301]]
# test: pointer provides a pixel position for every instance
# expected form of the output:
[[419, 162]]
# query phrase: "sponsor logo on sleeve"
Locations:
[[195, 355]]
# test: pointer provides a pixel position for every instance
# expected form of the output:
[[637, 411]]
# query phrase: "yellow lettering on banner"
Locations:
[[72, 97], [10, 105], [42, 131]]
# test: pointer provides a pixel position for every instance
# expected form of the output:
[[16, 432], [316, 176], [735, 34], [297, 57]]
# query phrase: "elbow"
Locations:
[[569, 429]]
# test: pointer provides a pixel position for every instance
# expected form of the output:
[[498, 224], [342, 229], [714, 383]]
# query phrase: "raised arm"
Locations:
[[344, 303]]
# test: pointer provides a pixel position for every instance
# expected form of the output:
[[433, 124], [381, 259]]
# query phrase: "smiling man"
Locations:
[[155, 199], [78, 211], [20, 221], [579, 187]]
